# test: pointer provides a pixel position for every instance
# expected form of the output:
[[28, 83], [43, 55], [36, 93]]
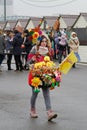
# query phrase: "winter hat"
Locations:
[[73, 33]]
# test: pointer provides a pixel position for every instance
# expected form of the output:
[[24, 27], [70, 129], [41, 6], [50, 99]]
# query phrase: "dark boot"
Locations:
[[74, 65], [9, 67]]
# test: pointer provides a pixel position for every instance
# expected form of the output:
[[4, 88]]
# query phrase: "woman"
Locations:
[[39, 51], [74, 45]]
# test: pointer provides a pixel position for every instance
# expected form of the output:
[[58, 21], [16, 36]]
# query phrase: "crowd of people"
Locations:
[[19, 45], [63, 42]]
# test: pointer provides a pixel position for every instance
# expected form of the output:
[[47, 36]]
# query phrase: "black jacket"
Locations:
[[17, 42]]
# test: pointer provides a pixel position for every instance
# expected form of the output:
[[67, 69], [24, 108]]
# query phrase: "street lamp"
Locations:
[[4, 10]]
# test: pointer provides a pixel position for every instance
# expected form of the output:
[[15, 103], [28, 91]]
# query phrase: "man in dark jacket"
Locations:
[[9, 48], [17, 42], [2, 48], [27, 45]]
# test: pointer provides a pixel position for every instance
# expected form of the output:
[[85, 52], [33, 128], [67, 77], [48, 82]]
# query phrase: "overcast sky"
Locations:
[[22, 7]]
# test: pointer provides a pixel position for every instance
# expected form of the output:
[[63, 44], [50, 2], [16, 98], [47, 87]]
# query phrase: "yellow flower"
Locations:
[[46, 58], [36, 82]]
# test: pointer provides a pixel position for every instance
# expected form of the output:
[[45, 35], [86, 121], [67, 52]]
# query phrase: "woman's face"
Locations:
[[44, 42], [74, 35]]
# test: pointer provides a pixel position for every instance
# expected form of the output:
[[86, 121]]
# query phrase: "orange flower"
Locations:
[[35, 35]]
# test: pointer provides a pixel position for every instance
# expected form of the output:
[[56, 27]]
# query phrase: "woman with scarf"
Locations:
[[37, 54], [74, 45]]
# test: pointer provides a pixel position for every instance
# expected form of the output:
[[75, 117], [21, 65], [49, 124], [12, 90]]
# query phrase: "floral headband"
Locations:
[[35, 35]]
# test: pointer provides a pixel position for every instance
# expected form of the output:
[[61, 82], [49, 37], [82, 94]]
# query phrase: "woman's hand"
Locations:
[[37, 53]]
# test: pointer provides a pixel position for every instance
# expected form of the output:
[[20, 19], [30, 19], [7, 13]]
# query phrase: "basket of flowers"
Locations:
[[44, 74]]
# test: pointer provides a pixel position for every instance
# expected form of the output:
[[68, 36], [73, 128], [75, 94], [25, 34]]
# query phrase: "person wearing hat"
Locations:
[[74, 45]]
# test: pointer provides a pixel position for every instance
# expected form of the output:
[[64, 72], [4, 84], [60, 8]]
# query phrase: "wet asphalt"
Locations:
[[69, 101]]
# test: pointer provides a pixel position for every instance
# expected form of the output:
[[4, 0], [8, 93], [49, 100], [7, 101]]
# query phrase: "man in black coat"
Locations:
[[2, 48], [17, 50], [27, 45]]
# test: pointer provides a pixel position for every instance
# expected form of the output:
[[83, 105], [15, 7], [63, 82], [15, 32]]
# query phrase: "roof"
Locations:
[[69, 19], [23, 22], [36, 21], [81, 14], [50, 20], [2, 25], [84, 15], [11, 23]]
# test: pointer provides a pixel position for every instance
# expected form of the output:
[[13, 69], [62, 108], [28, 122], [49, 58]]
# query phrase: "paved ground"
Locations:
[[69, 101]]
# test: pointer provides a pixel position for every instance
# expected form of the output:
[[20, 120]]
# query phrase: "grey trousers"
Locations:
[[46, 95]]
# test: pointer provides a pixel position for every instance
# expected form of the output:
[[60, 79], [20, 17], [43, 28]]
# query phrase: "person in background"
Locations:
[[68, 33], [2, 48], [9, 48], [56, 41], [74, 45], [42, 49], [26, 47], [53, 46], [62, 46], [17, 50]]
